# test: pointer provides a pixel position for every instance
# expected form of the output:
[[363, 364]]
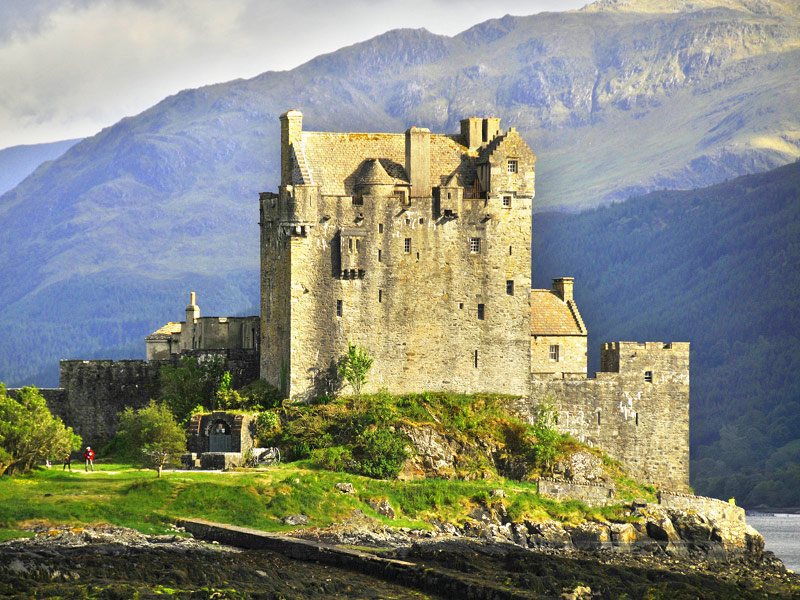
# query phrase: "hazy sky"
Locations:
[[68, 68]]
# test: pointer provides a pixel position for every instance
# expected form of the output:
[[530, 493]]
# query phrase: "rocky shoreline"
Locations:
[[662, 554]]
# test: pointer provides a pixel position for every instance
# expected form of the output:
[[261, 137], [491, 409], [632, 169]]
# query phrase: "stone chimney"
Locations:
[[418, 161], [291, 130], [472, 132], [187, 331], [491, 129], [562, 287]]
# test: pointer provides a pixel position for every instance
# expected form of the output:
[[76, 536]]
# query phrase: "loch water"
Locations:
[[781, 533]]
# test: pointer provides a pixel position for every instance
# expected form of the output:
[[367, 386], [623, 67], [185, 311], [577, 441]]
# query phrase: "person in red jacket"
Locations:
[[89, 456]]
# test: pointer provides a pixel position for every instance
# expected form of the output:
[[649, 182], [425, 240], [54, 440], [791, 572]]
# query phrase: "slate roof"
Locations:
[[165, 332], [550, 315], [335, 161]]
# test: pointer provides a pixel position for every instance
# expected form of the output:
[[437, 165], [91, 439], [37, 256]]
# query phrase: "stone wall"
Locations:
[[591, 494], [716, 510], [92, 392], [242, 428], [639, 414]]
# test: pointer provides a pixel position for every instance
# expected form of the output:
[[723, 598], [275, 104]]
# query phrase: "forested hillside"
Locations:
[[718, 267]]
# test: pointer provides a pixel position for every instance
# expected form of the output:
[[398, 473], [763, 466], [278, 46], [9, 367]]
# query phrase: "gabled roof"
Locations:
[[334, 161], [165, 332], [550, 315]]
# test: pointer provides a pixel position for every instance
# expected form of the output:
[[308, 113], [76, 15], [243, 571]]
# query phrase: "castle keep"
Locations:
[[416, 246]]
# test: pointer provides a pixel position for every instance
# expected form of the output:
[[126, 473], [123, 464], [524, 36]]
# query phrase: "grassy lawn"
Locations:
[[123, 495]]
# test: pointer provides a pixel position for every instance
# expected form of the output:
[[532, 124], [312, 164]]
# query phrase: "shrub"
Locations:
[[336, 458], [354, 366], [379, 453]]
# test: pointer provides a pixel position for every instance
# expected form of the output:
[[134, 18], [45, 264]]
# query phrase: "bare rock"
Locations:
[[346, 488], [296, 520], [382, 507]]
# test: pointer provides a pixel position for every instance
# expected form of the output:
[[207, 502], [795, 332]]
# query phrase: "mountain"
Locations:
[[17, 162], [718, 267], [616, 99]]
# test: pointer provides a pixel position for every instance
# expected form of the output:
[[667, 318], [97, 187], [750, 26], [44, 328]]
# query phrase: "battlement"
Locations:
[[653, 362]]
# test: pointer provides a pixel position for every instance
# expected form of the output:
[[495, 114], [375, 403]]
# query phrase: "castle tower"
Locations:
[[356, 247], [188, 332]]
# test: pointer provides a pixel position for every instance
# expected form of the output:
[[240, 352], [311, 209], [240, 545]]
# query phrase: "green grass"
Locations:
[[121, 495]]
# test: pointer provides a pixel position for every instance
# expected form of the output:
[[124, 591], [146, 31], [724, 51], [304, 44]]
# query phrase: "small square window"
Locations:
[[510, 287], [648, 376], [481, 312], [512, 166], [408, 221], [407, 246], [554, 352], [421, 220], [474, 245], [338, 308], [506, 201]]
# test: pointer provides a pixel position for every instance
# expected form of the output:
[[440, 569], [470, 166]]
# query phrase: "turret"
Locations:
[[291, 130], [192, 314]]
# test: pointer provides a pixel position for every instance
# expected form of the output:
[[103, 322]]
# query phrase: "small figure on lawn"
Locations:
[[67, 462], [89, 456]]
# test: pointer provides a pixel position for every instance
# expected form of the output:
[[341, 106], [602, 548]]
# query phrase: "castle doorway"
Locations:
[[220, 438]]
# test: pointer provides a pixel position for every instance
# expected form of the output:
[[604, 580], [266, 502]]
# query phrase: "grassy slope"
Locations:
[[126, 496]]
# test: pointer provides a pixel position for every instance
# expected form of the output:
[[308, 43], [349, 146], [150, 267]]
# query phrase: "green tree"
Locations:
[[152, 435], [548, 439], [29, 433], [191, 384], [354, 366]]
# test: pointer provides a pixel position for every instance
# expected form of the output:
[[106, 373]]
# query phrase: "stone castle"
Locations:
[[417, 247]]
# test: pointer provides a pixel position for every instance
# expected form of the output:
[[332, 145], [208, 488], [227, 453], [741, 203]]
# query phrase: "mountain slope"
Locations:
[[17, 162], [717, 267], [613, 102]]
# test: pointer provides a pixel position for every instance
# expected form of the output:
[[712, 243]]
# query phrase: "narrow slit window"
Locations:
[[637, 419], [648, 377], [510, 287], [358, 245], [407, 246], [481, 312], [379, 256], [380, 295], [476, 359], [350, 244], [380, 227], [338, 308], [598, 417], [509, 250]]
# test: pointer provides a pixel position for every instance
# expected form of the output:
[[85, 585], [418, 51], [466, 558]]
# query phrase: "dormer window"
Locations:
[[513, 165]]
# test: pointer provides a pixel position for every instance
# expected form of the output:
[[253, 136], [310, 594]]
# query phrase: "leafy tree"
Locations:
[[354, 366], [191, 385], [152, 435], [545, 448], [29, 433]]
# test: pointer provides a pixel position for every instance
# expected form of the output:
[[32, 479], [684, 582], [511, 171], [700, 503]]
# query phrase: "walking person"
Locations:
[[67, 462], [89, 456]]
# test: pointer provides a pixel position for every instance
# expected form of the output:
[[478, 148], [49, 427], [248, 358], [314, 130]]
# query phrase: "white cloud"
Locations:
[[67, 69]]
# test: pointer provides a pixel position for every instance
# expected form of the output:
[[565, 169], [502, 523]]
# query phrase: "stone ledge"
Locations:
[[447, 585]]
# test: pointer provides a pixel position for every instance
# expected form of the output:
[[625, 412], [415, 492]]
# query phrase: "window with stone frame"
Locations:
[[506, 201], [554, 352], [513, 165], [510, 287], [407, 246], [481, 312], [648, 377], [474, 245]]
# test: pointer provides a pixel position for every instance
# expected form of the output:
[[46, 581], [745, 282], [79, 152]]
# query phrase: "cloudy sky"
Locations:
[[68, 68]]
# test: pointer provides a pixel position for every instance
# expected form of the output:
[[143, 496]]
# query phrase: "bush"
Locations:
[[336, 458], [379, 453], [29, 433]]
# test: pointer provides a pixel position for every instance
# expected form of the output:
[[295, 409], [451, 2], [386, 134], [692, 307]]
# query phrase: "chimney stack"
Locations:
[[418, 161], [562, 287], [291, 130]]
